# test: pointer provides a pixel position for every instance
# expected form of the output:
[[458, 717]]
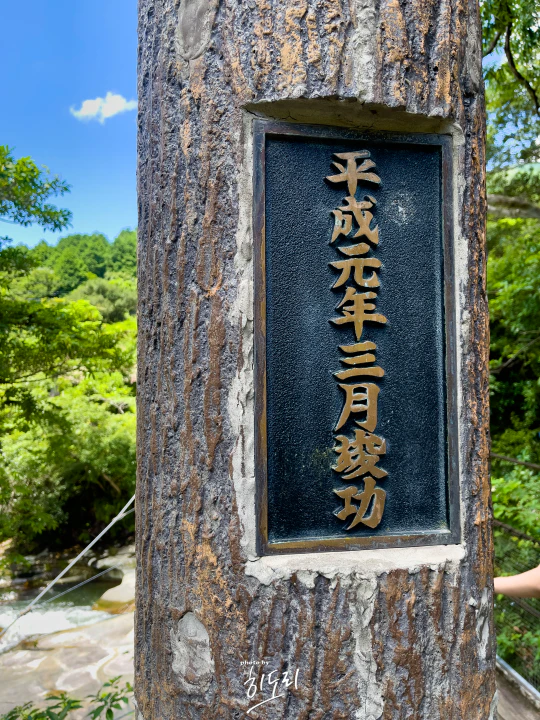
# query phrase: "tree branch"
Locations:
[[510, 360], [505, 458], [493, 44], [515, 72], [507, 206], [515, 532], [112, 483]]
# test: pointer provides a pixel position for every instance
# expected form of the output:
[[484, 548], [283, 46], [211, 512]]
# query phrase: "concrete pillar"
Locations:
[[369, 628]]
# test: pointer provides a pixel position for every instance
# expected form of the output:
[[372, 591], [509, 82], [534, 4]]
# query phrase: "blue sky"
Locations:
[[56, 55]]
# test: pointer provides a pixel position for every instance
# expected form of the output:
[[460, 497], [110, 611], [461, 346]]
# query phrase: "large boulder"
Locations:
[[121, 598]]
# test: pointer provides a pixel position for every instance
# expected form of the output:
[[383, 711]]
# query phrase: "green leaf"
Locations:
[[25, 190]]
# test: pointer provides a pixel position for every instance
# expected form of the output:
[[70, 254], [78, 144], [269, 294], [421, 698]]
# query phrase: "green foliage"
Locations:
[[67, 401], [512, 39], [107, 701], [42, 254], [70, 269], [96, 255], [81, 460], [40, 283], [512, 45], [42, 337], [59, 706], [114, 297], [518, 644], [51, 337], [14, 263], [512, 50], [49, 271], [67, 391], [514, 302], [77, 258], [519, 181], [111, 697], [25, 190], [523, 16], [516, 495], [518, 638], [124, 253]]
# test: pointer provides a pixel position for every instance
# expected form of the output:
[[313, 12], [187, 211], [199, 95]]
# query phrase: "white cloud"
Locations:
[[102, 108]]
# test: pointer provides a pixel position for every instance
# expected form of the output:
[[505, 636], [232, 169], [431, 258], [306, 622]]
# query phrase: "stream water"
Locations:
[[69, 611]]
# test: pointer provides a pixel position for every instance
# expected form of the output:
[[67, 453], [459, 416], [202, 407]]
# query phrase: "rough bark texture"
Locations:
[[373, 639]]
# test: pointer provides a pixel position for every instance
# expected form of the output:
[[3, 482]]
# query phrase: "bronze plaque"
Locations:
[[354, 339]]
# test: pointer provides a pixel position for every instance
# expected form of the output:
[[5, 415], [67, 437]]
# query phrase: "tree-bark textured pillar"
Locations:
[[392, 633]]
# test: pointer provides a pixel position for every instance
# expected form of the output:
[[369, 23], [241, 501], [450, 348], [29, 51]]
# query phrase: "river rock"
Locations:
[[120, 598], [78, 661]]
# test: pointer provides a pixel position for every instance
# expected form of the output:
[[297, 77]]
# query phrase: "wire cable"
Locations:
[[120, 516], [94, 577]]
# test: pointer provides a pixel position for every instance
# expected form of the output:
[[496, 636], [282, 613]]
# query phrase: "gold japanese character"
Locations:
[[359, 456], [344, 215], [363, 217], [358, 312], [352, 173], [342, 224], [357, 372], [360, 398], [359, 360], [359, 347], [370, 492], [358, 265]]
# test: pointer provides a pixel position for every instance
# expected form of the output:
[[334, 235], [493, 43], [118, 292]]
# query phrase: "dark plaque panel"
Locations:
[[299, 401]]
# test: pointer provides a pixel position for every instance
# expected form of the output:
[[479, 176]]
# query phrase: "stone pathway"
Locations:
[[77, 661]]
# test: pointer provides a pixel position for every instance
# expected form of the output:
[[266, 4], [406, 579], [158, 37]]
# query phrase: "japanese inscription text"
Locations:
[[356, 236], [355, 398]]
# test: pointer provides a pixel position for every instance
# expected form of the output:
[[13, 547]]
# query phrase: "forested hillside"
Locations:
[[514, 295], [512, 57], [67, 389]]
